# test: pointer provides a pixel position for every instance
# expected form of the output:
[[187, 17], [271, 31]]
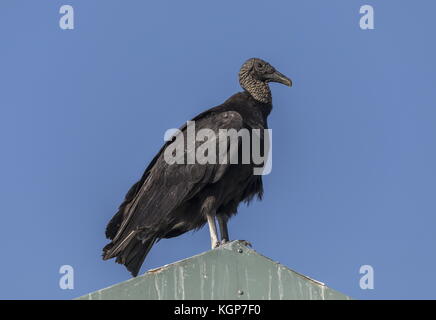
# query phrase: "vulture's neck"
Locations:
[[259, 90]]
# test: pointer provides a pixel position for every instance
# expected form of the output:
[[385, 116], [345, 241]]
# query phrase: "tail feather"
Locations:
[[114, 248], [131, 255], [137, 254]]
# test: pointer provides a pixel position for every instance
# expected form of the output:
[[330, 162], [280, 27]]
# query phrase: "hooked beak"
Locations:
[[280, 78]]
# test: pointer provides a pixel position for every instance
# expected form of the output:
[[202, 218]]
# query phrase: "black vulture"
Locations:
[[173, 198]]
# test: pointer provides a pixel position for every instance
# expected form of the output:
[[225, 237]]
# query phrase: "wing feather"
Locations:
[[164, 186]]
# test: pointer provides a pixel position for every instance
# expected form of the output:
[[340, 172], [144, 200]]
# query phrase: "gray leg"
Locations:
[[222, 221], [212, 229]]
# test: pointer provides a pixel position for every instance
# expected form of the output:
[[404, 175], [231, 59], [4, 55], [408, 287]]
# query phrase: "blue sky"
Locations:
[[83, 111]]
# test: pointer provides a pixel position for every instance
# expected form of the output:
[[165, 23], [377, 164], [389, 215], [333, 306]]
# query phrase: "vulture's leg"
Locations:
[[222, 221], [212, 229], [208, 209]]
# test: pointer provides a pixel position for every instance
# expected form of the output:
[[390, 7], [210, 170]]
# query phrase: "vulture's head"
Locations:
[[254, 76]]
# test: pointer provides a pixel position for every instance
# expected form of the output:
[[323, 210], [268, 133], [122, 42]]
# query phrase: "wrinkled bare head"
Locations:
[[254, 76]]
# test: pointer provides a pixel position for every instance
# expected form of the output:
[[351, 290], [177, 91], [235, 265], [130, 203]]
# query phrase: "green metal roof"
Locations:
[[232, 271]]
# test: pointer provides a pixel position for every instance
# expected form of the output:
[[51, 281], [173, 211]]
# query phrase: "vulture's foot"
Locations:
[[223, 242], [215, 244], [246, 243]]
